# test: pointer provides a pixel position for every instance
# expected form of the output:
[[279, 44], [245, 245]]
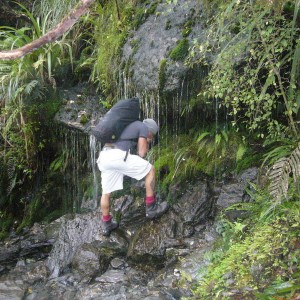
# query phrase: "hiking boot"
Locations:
[[109, 226], [155, 210]]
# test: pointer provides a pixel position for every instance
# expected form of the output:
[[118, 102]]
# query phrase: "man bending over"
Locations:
[[115, 161]]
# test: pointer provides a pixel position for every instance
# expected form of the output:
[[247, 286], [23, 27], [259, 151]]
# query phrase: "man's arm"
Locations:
[[142, 146]]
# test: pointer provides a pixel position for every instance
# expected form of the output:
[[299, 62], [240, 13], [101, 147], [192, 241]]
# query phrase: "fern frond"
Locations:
[[202, 136], [295, 163], [30, 86], [179, 158], [279, 173], [279, 176], [240, 152], [225, 135], [11, 175]]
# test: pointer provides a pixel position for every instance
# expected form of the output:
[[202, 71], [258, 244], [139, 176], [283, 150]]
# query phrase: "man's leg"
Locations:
[[104, 204], [153, 209], [111, 180], [109, 224], [150, 186]]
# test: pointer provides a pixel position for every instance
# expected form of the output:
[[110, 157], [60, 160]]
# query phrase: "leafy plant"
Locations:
[[259, 261], [255, 67], [27, 103], [23, 84], [188, 156], [110, 31]]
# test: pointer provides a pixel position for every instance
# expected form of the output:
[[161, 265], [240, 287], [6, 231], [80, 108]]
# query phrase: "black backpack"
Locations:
[[112, 124]]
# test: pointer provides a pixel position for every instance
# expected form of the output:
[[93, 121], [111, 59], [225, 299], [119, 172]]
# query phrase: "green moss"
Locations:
[[162, 75], [84, 119], [187, 28], [180, 52], [143, 12], [186, 32]]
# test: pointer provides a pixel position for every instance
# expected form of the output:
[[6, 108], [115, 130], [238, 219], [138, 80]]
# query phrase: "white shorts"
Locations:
[[113, 168]]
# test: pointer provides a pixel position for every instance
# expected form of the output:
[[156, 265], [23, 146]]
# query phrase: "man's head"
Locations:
[[152, 126]]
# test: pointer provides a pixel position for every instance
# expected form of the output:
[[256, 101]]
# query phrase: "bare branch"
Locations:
[[50, 36]]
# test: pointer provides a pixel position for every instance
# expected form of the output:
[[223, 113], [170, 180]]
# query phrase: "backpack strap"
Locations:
[[125, 158]]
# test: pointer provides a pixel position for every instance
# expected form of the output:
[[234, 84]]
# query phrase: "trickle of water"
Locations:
[[74, 150], [94, 149], [125, 85], [216, 132]]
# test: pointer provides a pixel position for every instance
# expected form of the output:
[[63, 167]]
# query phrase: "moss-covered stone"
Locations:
[[84, 119], [181, 51]]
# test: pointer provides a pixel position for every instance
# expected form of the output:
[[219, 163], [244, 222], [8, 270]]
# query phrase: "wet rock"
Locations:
[[94, 258], [130, 211], [73, 233], [113, 276], [16, 283], [195, 206], [235, 192], [148, 244], [249, 175], [12, 289], [52, 230], [86, 261], [79, 106], [127, 283], [33, 243], [117, 263], [58, 289], [9, 251], [143, 259]]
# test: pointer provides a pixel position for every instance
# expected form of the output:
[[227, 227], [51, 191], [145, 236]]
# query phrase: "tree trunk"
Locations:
[[50, 36]]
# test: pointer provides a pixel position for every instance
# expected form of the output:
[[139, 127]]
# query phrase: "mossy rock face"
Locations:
[[164, 36], [181, 51]]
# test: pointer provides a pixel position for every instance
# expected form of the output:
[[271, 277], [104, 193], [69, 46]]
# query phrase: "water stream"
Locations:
[[94, 151], [75, 164]]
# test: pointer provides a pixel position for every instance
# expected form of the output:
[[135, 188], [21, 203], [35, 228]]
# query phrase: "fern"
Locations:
[[11, 175], [30, 86], [240, 151], [279, 174], [295, 163]]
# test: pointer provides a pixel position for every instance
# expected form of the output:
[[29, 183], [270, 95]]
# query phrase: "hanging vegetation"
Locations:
[[255, 72]]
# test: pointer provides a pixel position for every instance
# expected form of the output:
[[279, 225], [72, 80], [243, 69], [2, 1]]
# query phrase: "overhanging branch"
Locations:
[[51, 35]]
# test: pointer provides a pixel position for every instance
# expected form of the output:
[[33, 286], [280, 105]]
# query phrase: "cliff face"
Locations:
[[153, 63], [155, 52]]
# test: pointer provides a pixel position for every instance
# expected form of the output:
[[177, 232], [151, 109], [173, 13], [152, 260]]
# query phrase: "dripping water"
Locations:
[[93, 165], [216, 132], [74, 149]]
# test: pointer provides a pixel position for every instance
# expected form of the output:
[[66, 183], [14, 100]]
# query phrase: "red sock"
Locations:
[[106, 218], [150, 200]]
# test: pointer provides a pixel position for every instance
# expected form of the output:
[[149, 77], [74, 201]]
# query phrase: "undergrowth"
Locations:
[[208, 152], [258, 257]]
